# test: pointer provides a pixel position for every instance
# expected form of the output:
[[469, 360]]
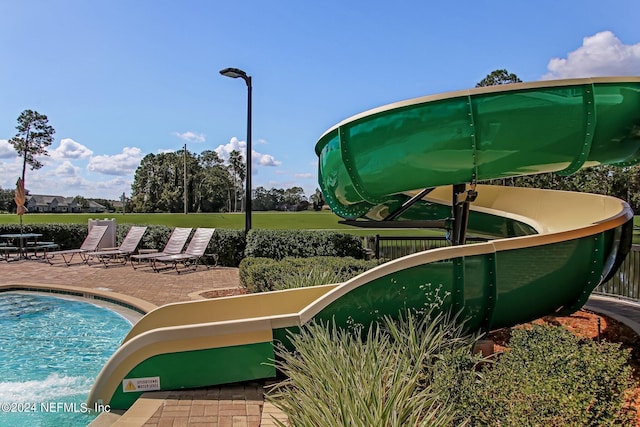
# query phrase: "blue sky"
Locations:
[[120, 79]]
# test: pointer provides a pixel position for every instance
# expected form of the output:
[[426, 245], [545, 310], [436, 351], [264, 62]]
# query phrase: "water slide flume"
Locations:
[[548, 250]]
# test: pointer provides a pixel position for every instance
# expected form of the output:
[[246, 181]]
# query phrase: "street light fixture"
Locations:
[[235, 73]]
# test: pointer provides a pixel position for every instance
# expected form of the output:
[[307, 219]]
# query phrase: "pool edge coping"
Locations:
[[136, 304]]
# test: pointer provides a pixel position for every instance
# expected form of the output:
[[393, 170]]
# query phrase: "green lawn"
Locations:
[[308, 220]]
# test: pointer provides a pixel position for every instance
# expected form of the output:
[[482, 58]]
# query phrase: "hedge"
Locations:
[[228, 244], [265, 274], [278, 244]]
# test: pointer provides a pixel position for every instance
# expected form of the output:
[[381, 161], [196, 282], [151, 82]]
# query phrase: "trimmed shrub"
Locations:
[[228, 244], [155, 237], [548, 377], [65, 235], [266, 274], [279, 244]]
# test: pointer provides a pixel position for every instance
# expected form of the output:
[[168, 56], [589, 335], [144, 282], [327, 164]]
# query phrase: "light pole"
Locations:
[[235, 73]]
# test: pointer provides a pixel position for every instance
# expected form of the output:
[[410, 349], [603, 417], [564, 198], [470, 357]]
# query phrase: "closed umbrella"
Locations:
[[20, 198]]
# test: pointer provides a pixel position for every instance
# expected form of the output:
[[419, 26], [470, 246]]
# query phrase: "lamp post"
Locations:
[[235, 73]]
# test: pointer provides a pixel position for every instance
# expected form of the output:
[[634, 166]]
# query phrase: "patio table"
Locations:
[[23, 239]]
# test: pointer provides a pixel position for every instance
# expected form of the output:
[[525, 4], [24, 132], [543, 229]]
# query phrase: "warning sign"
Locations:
[[140, 384]]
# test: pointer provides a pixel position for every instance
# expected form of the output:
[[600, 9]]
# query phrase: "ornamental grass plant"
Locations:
[[337, 378]]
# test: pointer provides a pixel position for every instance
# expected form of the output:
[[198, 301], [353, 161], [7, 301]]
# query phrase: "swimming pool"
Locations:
[[51, 350]]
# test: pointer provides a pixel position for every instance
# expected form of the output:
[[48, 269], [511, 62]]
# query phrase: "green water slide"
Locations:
[[479, 134], [418, 163]]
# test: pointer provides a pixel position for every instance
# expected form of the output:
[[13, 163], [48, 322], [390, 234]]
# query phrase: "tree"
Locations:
[[82, 202], [33, 137], [293, 197], [499, 77], [238, 172], [6, 201], [318, 200], [212, 183], [158, 183]]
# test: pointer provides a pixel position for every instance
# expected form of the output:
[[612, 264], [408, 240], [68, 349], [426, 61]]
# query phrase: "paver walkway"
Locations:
[[234, 405]]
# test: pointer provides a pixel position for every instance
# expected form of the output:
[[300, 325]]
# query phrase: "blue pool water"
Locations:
[[51, 350]]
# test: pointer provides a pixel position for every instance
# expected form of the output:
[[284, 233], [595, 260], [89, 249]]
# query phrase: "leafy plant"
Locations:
[[336, 378], [548, 378]]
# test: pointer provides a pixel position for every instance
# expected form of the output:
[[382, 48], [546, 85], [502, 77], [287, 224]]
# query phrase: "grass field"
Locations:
[[308, 220]]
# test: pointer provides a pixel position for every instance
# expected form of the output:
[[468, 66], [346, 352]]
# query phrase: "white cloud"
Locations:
[[304, 175], [190, 136], [67, 169], [70, 149], [6, 150], [233, 144], [257, 158], [119, 164], [602, 54], [265, 159]]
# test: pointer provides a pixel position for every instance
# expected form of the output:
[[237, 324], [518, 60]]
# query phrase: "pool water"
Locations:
[[51, 350]]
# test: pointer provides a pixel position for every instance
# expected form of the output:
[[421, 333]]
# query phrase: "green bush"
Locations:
[[279, 244], [65, 235], [228, 244], [549, 377], [266, 274]]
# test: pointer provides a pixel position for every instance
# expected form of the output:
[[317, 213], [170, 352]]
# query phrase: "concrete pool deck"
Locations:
[[236, 405]]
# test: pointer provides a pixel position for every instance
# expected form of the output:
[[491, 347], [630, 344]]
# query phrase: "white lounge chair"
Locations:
[[174, 245], [191, 256], [89, 244], [124, 251]]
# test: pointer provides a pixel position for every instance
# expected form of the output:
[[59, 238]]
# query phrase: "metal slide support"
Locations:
[[460, 207], [406, 205]]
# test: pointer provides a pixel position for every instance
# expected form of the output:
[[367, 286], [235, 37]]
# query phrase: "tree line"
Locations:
[[211, 185]]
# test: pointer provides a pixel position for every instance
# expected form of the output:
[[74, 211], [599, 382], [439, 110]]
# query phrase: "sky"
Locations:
[[120, 79]]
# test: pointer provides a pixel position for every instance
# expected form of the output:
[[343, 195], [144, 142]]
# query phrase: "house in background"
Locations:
[[95, 207], [60, 204]]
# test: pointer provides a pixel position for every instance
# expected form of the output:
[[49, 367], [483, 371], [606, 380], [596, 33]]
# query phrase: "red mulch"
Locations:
[[584, 324]]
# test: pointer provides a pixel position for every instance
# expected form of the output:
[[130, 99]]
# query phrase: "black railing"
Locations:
[[392, 247], [625, 283]]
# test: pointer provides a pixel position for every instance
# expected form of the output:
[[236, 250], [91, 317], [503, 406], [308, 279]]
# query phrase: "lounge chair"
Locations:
[[174, 245], [124, 251], [191, 256], [89, 244]]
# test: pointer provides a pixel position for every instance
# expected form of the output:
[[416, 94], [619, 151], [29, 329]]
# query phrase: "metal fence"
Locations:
[[625, 283], [389, 247]]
